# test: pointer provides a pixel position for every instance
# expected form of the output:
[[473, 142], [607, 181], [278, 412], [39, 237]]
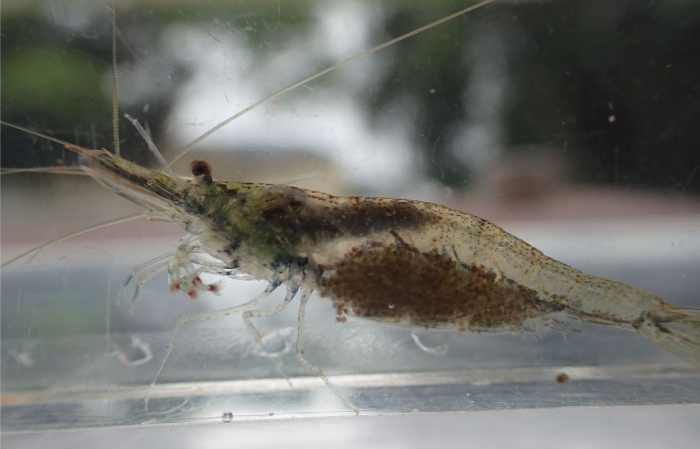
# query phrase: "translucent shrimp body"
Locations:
[[396, 261]]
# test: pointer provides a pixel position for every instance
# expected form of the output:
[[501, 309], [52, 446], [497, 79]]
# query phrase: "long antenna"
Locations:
[[104, 224], [190, 145], [115, 86]]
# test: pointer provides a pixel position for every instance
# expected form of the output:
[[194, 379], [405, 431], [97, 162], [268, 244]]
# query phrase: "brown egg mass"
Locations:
[[396, 283]]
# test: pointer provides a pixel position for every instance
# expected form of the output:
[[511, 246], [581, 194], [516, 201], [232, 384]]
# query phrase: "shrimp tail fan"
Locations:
[[675, 329]]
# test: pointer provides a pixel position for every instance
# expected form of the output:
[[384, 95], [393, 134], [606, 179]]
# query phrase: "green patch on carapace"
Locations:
[[285, 221]]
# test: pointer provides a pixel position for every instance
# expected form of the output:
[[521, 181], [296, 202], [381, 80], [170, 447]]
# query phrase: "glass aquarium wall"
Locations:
[[570, 124]]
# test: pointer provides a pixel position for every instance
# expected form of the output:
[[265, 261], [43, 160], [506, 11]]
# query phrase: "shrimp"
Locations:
[[396, 261], [465, 273]]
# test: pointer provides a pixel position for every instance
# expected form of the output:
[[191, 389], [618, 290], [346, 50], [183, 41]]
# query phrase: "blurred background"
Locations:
[[573, 124], [566, 93]]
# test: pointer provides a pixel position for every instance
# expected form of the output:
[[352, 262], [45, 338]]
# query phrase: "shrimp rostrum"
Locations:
[[392, 260]]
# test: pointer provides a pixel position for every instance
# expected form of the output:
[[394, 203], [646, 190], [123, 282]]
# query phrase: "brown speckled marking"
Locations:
[[396, 283], [355, 216]]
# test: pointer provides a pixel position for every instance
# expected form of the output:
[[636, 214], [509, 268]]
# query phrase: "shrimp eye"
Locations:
[[201, 169]]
